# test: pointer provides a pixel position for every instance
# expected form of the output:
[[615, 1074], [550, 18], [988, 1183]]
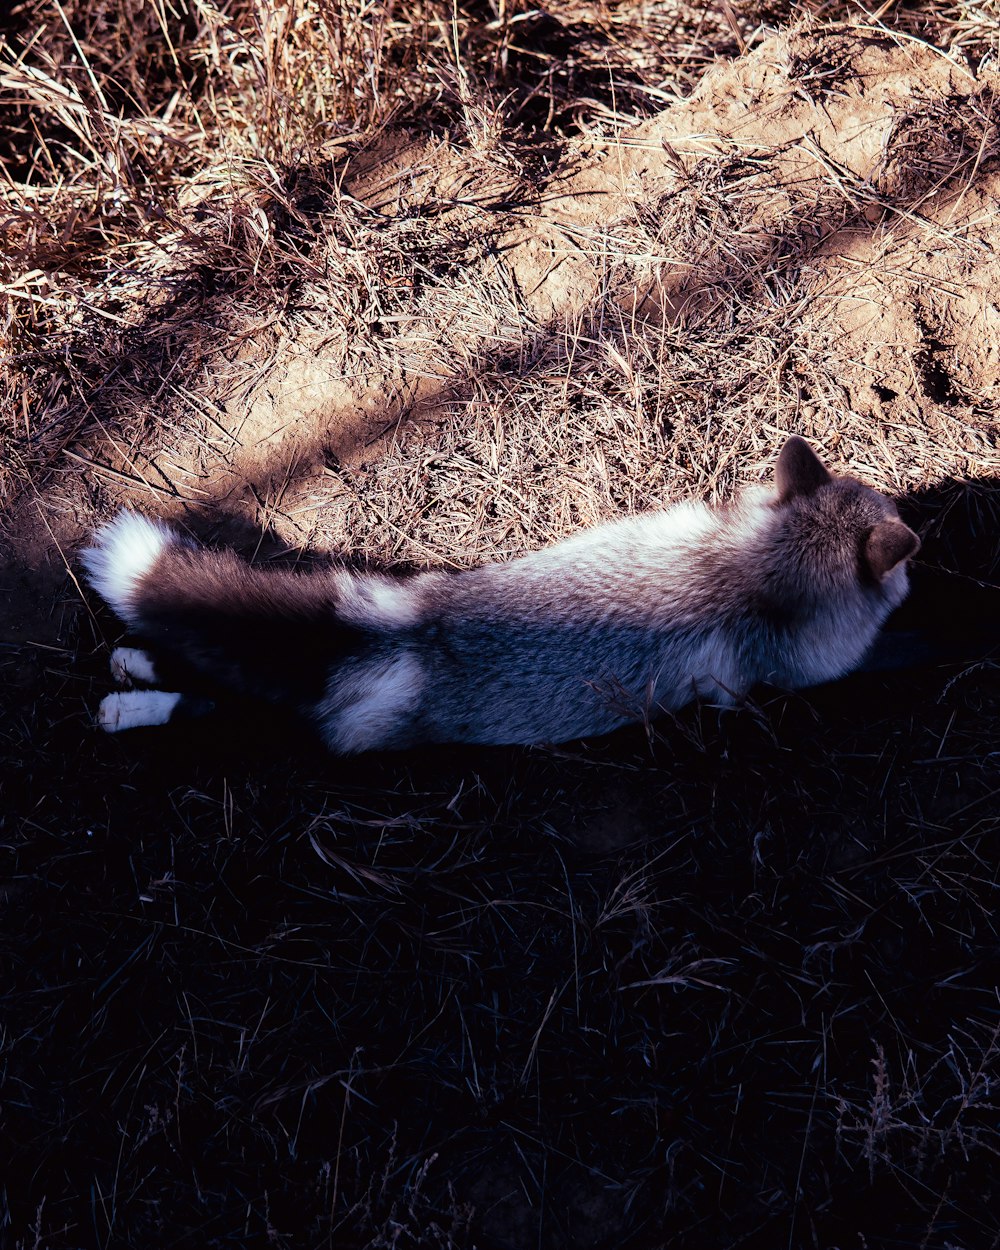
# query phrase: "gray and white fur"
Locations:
[[787, 585]]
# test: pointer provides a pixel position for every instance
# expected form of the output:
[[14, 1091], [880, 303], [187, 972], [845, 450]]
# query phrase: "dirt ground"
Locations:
[[429, 288]]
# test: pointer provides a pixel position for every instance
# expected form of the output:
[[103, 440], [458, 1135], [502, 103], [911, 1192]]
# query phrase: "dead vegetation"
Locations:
[[431, 284]]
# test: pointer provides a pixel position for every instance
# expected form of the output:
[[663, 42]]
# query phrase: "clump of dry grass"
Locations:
[[174, 174], [151, 145]]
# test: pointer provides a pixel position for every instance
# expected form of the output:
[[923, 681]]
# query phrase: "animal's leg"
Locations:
[[136, 709]]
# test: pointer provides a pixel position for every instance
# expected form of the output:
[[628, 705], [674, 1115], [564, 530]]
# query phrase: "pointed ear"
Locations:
[[799, 470], [888, 545]]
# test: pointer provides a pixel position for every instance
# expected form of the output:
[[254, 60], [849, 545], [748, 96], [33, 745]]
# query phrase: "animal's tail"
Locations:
[[267, 633]]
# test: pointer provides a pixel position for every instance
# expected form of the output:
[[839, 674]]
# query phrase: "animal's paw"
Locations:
[[130, 665], [134, 709]]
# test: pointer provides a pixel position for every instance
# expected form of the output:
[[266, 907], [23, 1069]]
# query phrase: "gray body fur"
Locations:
[[788, 585]]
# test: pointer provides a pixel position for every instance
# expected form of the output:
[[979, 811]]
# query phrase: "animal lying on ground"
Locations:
[[787, 585]]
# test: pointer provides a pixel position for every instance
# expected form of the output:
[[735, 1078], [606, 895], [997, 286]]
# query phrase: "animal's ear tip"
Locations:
[[889, 544], [796, 445], [904, 535], [799, 470]]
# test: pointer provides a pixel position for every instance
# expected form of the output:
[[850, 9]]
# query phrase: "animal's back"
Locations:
[[604, 628]]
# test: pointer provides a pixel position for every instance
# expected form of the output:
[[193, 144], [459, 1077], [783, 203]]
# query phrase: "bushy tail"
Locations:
[[270, 633], [121, 561]]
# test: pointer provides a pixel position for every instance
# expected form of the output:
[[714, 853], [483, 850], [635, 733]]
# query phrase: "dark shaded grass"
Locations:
[[731, 985]]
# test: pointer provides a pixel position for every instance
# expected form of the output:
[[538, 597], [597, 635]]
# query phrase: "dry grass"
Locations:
[[722, 983]]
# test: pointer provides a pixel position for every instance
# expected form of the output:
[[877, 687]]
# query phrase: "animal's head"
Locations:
[[839, 530]]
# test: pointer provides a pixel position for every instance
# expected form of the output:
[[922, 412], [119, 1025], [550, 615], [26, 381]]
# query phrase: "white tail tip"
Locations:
[[122, 553]]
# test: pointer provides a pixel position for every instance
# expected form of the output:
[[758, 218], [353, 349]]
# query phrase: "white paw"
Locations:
[[132, 709], [130, 665]]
